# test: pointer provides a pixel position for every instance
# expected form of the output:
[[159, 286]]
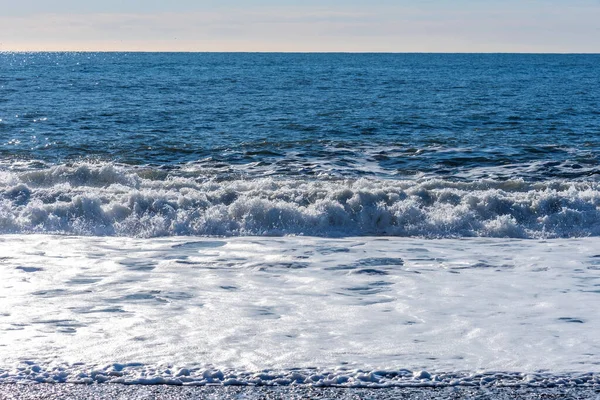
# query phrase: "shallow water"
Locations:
[[241, 305]]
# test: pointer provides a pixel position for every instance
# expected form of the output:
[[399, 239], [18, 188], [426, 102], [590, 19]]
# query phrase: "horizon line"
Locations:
[[295, 52]]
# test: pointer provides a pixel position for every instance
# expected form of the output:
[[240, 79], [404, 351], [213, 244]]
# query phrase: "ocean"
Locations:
[[360, 220]]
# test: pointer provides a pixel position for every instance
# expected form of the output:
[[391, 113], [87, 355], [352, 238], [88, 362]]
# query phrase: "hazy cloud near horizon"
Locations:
[[229, 25]]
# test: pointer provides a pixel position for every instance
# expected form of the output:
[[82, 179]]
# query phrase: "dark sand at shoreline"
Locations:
[[117, 391]]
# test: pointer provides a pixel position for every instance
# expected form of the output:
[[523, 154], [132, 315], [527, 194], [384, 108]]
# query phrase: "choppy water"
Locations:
[[317, 144], [308, 194]]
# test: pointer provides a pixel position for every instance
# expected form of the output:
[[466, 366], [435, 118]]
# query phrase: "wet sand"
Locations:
[[147, 392]]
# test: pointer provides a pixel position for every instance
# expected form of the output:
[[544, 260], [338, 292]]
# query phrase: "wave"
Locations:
[[104, 199], [141, 374]]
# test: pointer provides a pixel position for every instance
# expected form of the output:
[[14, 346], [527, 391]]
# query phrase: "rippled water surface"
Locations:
[[393, 115]]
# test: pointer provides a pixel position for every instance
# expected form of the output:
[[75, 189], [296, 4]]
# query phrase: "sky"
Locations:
[[538, 26]]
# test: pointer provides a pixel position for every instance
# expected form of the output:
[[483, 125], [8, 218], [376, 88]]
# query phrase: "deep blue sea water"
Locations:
[[432, 145]]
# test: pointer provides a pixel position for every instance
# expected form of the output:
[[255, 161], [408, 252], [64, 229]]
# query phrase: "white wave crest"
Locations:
[[103, 199]]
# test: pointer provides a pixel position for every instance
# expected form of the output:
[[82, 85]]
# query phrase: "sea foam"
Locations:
[[299, 310], [101, 199]]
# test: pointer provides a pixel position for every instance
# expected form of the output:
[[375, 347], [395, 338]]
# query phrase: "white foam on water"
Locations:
[[103, 199], [300, 310]]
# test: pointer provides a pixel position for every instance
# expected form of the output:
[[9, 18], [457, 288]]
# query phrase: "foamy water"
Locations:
[[101, 199], [195, 310]]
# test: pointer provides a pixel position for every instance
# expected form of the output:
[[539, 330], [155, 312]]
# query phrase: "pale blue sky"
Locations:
[[309, 25]]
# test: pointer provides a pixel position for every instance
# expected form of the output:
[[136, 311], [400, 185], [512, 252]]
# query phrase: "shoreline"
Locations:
[[121, 391]]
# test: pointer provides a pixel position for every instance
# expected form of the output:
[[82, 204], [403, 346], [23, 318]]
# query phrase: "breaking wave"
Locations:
[[140, 374], [103, 199]]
